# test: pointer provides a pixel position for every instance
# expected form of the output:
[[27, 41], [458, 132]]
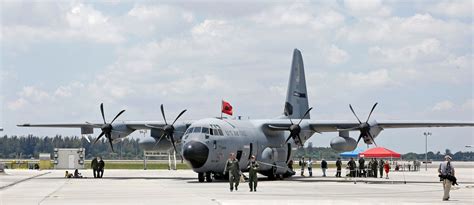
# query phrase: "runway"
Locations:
[[181, 187]]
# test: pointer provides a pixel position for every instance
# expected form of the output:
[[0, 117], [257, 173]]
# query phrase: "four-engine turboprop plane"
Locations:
[[206, 143]]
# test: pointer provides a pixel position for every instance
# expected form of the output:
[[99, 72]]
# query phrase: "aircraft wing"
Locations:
[[86, 128], [334, 126]]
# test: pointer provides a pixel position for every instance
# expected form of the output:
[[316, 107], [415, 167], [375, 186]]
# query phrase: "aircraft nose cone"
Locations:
[[195, 153]]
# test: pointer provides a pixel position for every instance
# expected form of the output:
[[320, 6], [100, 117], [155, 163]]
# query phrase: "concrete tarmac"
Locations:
[[181, 187]]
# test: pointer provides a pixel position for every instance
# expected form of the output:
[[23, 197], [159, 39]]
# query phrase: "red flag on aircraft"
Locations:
[[226, 108]]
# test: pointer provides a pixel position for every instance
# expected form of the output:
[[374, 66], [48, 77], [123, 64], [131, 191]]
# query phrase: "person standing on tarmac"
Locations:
[[324, 166], [338, 167], [374, 167], [381, 168], [302, 163], [253, 168], [309, 163], [232, 168], [362, 167], [95, 166], [100, 168], [352, 167], [447, 176]]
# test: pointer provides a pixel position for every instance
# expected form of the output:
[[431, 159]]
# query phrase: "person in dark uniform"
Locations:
[[324, 167], [253, 168], [362, 167], [302, 163], [95, 166], [232, 168], [374, 167], [352, 167], [338, 167], [381, 167], [100, 168]]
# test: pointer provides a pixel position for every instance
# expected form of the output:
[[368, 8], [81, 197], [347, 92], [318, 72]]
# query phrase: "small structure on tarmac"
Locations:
[[69, 158], [45, 161]]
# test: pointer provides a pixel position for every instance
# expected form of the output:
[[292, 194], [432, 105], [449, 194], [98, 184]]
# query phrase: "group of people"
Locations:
[[309, 165], [235, 175], [373, 167], [97, 166], [76, 174]]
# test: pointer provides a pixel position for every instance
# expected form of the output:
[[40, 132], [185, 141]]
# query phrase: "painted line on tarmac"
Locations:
[[23, 180]]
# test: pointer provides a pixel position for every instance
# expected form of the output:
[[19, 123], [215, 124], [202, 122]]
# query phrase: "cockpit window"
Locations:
[[205, 130], [197, 130]]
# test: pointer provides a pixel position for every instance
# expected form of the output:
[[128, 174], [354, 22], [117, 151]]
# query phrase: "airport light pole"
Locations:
[[426, 149]]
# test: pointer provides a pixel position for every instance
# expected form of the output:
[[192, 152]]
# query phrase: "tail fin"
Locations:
[[296, 98]]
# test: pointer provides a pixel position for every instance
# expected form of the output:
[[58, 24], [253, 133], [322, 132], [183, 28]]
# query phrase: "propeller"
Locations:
[[168, 129], [106, 128], [294, 129], [363, 127]]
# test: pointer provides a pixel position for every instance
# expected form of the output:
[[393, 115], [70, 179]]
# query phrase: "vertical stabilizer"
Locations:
[[296, 97]]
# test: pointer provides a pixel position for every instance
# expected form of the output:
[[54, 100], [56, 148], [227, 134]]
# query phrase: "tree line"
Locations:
[[26, 147]]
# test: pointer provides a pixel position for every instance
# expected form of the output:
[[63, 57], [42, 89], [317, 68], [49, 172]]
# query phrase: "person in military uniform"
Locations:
[[95, 166], [100, 168], [232, 168], [381, 167], [352, 167], [362, 167], [374, 167], [253, 168], [338, 166]]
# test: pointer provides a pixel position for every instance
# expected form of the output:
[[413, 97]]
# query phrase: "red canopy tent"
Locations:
[[379, 152]]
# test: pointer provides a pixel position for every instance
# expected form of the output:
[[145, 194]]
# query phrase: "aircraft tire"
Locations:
[[201, 177], [208, 177]]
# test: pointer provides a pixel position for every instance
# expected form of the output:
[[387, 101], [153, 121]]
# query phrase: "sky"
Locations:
[[60, 60]]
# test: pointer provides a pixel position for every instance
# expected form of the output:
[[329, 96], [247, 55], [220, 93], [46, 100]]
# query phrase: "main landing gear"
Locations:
[[205, 176]]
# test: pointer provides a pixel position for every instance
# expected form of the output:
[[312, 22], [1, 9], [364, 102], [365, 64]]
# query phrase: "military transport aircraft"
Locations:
[[206, 143]]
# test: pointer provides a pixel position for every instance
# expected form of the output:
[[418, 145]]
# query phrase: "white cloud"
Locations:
[[71, 22], [364, 8], [426, 49], [452, 8], [374, 79], [17, 104], [443, 106], [336, 55]]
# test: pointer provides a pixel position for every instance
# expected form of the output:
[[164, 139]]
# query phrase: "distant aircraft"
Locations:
[[206, 143], [1, 129]]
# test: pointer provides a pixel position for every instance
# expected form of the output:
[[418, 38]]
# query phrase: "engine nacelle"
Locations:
[[343, 144]]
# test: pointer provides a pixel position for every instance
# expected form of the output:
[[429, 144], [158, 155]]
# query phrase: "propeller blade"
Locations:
[[159, 140], [300, 141], [97, 139], [117, 116], [174, 146], [182, 112], [288, 115], [306, 113], [278, 127], [368, 117], [360, 137], [289, 137], [350, 106], [372, 138], [163, 113], [101, 134], [93, 125], [110, 141], [102, 111]]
